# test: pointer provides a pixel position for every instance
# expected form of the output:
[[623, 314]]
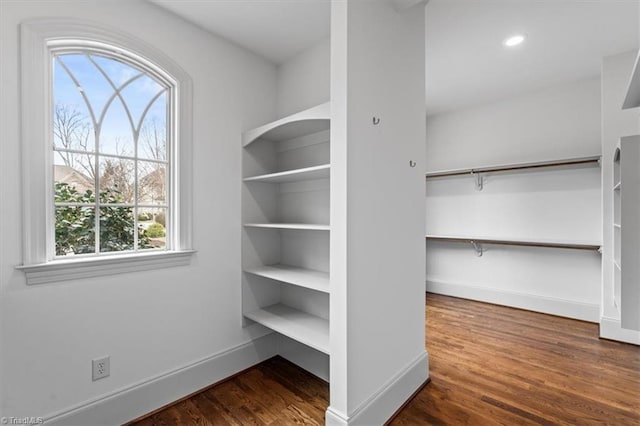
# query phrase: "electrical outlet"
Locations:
[[100, 368]]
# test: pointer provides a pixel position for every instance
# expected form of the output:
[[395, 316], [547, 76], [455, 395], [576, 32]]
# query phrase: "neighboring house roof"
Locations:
[[73, 177]]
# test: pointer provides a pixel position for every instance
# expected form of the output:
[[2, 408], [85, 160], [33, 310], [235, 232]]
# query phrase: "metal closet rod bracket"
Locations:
[[479, 180], [477, 247]]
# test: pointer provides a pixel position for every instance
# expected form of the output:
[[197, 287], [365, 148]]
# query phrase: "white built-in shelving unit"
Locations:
[[286, 177], [626, 231]]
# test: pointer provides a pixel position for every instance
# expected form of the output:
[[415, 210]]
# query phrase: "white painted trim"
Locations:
[[611, 329], [103, 265], [548, 305], [35, 36], [144, 397], [385, 402]]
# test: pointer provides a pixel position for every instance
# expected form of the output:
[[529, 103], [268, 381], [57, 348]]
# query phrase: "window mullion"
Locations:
[[96, 225]]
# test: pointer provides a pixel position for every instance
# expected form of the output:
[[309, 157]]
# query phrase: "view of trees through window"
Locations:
[[110, 155]]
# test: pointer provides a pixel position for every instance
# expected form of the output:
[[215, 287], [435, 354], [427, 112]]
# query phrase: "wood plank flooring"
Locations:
[[490, 365]]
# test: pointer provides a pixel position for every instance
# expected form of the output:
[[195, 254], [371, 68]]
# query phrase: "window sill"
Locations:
[[63, 270]]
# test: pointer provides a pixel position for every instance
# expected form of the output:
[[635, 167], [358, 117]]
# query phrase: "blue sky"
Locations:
[[137, 95]]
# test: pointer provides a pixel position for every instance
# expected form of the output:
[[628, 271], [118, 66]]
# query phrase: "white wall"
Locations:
[[150, 323], [616, 123], [303, 81], [558, 122], [558, 204]]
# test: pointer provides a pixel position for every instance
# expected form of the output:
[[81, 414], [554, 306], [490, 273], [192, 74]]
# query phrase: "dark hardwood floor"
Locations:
[[490, 365]]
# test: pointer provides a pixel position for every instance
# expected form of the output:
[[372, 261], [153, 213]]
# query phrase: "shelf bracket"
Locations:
[[477, 247], [479, 180]]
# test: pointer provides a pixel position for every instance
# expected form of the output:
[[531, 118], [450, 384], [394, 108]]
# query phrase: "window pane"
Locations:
[[95, 87], [116, 229], [73, 177], [118, 72], [116, 134], [74, 230], [152, 222], [116, 180], [152, 142], [152, 186], [72, 124], [139, 94]]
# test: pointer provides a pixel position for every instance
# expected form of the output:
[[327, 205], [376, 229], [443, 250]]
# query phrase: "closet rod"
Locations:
[[519, 166], [576, 246]]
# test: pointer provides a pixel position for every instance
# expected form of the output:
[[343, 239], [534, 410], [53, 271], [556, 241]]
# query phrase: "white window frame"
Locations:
[[38, 37]]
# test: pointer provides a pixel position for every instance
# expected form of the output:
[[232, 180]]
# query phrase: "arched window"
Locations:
[[111, 153], [111, 190]]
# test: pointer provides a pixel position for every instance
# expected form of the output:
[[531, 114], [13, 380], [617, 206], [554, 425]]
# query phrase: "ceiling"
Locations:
[[275, 29], [466, 61], [566, 40]]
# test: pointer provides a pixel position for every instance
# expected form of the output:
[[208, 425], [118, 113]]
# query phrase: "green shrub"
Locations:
[[143, 217], [75, 225], [155, 230]]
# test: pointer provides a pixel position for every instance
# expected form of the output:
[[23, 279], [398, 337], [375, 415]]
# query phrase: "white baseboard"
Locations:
[[611, 329], [548, 305], [139, 399], [387, 400]]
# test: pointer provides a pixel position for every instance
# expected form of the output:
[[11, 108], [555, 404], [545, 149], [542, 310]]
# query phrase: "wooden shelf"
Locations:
[[570, 162], [305, 328], [307, 173], [302, 226], [526, 243], [307, 278], [306, 122]]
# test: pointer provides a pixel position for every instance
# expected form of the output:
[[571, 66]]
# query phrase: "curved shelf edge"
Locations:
[[524, 243], [307, 278], [305, 328], [307, 173], [300, 226], [320, 112]]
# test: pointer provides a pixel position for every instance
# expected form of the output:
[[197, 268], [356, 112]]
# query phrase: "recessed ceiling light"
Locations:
[[514, 40]]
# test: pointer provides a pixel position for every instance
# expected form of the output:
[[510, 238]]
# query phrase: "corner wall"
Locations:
[[156, 326], [557, 204], [303, 81]]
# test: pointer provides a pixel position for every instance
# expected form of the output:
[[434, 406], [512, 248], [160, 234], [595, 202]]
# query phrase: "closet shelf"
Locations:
[[526, 243], [307, 278], [303, 226], [307, 173], [305, 328], [312, 120], [570, 162]]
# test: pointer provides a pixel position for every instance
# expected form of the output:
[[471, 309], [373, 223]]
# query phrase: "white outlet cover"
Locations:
[[100, 368]]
